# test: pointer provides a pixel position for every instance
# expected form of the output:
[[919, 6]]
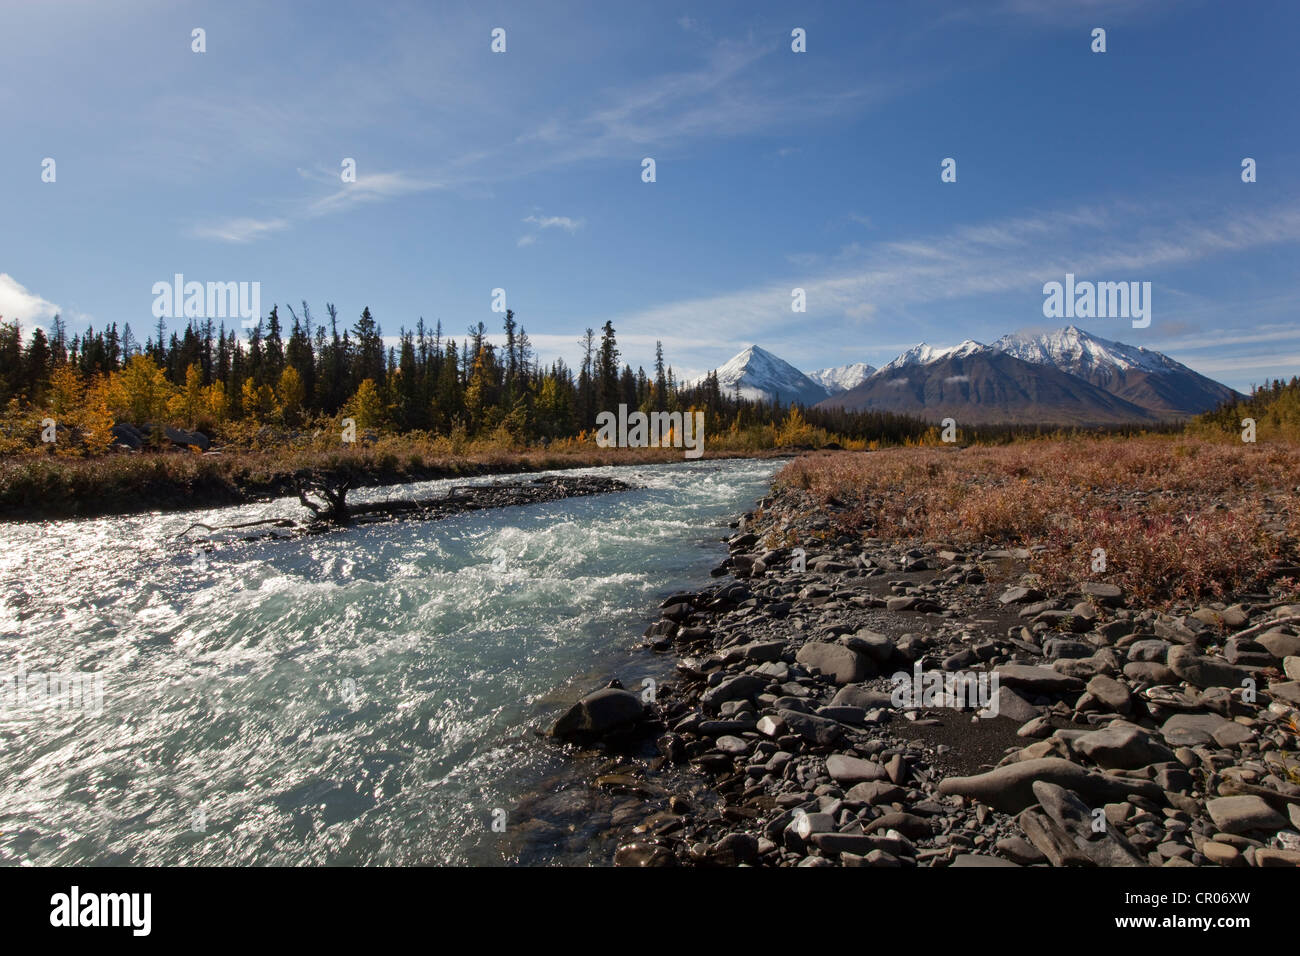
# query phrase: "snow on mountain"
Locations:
[[1073, 350], [760, 376], [841, 378], [924, 354], [1145, 378], [1066, 376], [1005, 385], [987, 386]]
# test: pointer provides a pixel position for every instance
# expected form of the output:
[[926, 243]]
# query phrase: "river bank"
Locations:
[[1125, 729], [50, 488]]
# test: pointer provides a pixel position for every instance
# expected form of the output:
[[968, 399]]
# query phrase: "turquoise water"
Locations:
[[366, 696]]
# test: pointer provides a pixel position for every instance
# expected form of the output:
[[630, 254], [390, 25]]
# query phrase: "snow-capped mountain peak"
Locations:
[[1071, 349], [841, 378], [925, 354], [758, 375], [1063, 376]]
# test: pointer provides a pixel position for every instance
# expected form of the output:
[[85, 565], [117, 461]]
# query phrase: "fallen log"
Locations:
[[336, 511]]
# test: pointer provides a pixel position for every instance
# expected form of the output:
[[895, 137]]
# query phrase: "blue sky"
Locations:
[[775, 169]]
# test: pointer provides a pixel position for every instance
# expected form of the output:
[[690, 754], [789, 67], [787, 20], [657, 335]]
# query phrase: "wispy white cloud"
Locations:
[[243, 229], [1268, 364], [374, 187], [541, 223], [555, 222], [967, 262], [1229, 338], [729, 94]]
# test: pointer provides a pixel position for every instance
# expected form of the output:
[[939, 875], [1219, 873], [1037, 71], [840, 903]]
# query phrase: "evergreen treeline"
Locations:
[[1275, 407], [293, 370]]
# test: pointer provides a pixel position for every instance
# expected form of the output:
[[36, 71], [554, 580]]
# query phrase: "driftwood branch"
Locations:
[[1267, 625], [278, 522]]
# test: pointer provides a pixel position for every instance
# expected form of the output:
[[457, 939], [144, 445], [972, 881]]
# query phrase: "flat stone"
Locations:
[[1062, 647], [1191, 730], [720, 728], [1038, 680], [1007, 703], [1037, 608], [1280, 644], [1103, 593], [1179, 632], [763, 651], [1233, 734], [1020, 595], [1247, 653], [908, 824], [737, 848], [876, 646], [854, 716], [858, 843], [846, 769], [1150, 649], [1202, 671], [732, 745], [855, 695], [1221, 854], [875, 792], [1122, 746], [1149, 672], [1244, 814], [1288, 691], [1269, 857], [1083, 668], [1019, 850], [841, 664]]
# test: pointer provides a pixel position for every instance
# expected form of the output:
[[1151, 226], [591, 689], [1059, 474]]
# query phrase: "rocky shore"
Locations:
[[1114, 735]]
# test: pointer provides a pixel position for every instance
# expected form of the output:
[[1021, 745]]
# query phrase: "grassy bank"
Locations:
[[33, 488], [1175, 516]]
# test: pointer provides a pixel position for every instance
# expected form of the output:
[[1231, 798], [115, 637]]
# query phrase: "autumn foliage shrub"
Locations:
[[1176, 517]]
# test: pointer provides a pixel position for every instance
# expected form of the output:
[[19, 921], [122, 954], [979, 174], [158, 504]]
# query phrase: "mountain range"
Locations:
[[1066, 377]]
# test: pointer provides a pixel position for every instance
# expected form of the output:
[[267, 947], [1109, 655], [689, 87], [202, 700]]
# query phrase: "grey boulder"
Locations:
[[599, 713]]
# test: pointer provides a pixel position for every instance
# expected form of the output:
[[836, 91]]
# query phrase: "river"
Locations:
[[364, 696]]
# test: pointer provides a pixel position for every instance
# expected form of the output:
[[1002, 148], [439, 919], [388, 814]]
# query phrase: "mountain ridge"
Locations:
[[1064, 376]]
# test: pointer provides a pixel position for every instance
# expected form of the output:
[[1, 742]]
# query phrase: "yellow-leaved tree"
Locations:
[[95, 418], [795, 430], [140, 392], [366, 406], [289, 393], [258, 400], [215, 404], [82, 406], [188, 405]]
